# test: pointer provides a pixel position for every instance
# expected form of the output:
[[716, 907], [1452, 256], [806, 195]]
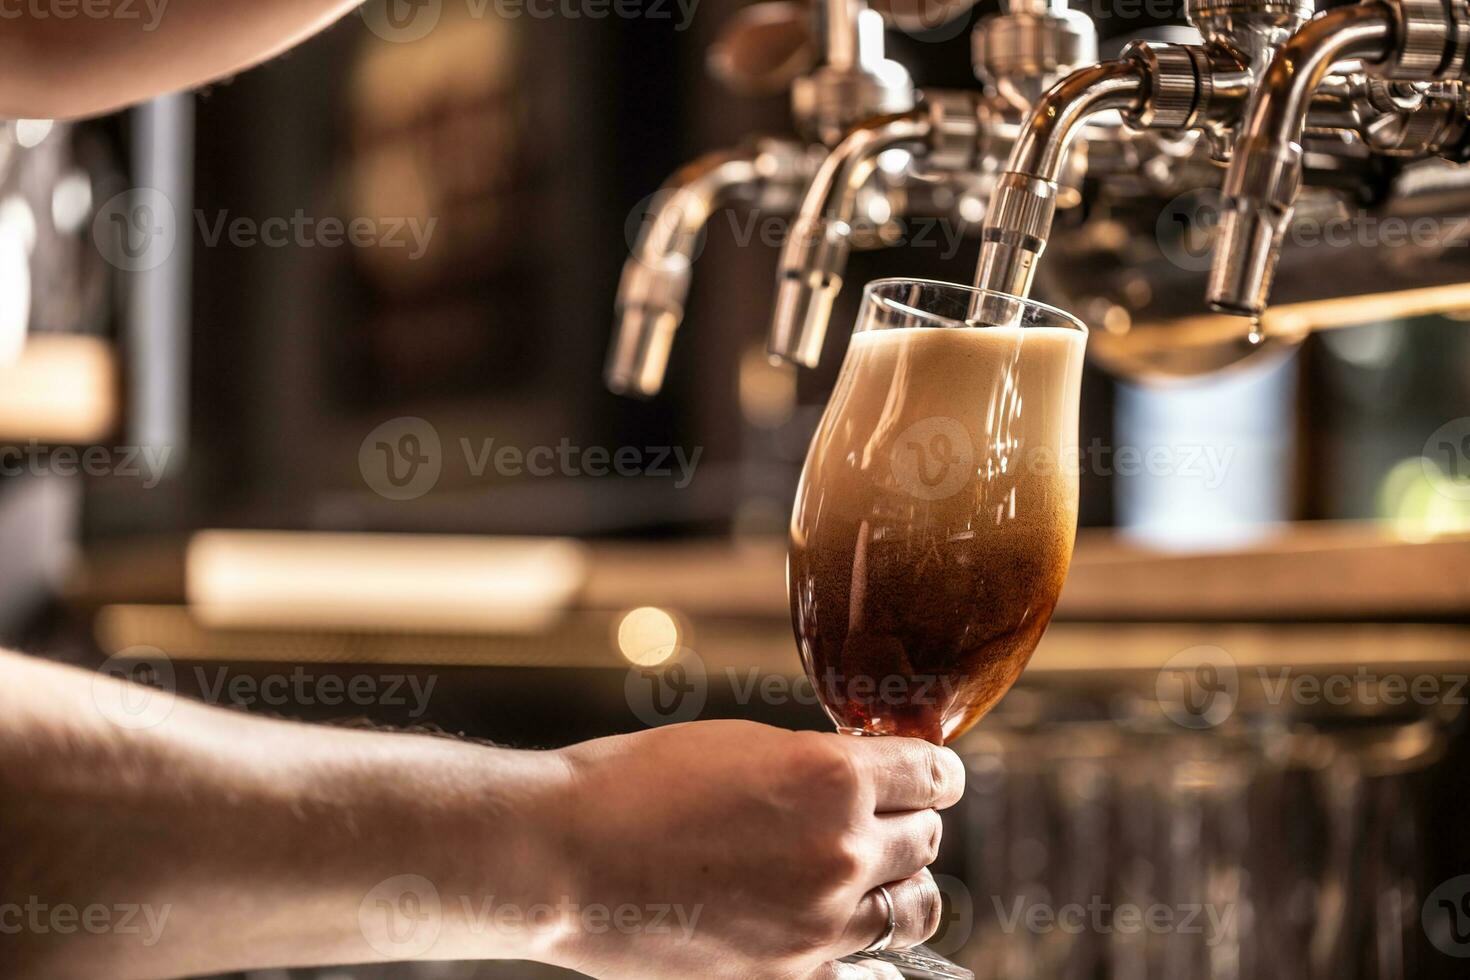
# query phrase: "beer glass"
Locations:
[[936, 513]]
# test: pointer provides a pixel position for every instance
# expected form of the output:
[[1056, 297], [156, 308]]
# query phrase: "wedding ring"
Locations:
[[882, 941]]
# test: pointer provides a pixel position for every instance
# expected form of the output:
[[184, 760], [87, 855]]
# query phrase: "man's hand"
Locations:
[[717, 849], [766, 845]]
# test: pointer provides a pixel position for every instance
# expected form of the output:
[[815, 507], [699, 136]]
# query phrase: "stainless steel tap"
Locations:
[[767, 174], [1018, 53], [854, 81], [1406, 41]]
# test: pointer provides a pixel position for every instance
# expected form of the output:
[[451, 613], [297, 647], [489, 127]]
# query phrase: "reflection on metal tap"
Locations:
[[1305, 118], [656, 277], [1402, 41], [815, 254], [1018, 53], [854, 81], [1018, 222]]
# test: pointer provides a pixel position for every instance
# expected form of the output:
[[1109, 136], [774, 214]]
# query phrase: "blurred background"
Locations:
[[302, 379]]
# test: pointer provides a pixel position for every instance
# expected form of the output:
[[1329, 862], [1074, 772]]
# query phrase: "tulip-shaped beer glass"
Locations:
[[936, 513]]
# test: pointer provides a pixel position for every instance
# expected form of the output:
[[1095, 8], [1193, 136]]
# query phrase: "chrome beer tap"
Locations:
[[1263, 75], [1162, 87], [1405, 41], [1018, 53], [854, 81]]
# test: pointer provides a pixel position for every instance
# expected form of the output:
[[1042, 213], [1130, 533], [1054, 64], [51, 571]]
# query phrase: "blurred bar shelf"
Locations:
[[1318, 597]]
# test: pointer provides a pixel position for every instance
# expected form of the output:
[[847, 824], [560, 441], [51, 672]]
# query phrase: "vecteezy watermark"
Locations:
[[1186, 227], [670, 692], [1361, 686], [148, 464], [1099, 916], [1198, 688], [299, 687], [670, 215], [149, 12], [1446, 917], [1449, 445], [405, 21], [935, 457], [677, 689], [305, 231], [403, 459], [1201, 687], [403, 916], [38, 917], [138, 230], [135, 688], [138, 688]]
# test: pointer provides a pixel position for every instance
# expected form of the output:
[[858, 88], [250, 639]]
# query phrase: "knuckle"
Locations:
[[844, 859], [931, 907], [938, 776], [825, 772], [935, 832]]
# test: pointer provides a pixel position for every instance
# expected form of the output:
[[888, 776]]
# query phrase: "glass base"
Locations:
[[919, 963]]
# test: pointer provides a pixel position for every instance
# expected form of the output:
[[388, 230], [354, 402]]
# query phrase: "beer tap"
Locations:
[[1018, 54], [1260, 76], [766, 173], [854, 81], [1403, 40]]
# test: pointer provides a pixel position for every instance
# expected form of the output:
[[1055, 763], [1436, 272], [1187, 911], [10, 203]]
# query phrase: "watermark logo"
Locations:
[[669, 692], [1213, 923], [957, 920], [145, 697], [147, 464], [664, 216], [402, 21], [1186, 228], [933, 458], [301, 230], [401, 459], [1446, 459], [136, 230], [1198, 688], [300, 687], [150, 12], [400, 917], [1446, 917], [41, 918]]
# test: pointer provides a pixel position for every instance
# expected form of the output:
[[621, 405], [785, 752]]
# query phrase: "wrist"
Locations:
[[461, 852]]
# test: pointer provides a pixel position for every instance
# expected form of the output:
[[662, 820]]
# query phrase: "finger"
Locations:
[[910, 843], [910, 774], [916, 910]]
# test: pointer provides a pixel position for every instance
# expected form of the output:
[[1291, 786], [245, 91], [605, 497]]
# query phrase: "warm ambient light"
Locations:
[[648, 636], [432, 583], [62, 388]]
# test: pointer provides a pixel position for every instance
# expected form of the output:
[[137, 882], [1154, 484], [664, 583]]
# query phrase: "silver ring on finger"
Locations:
[[881, 943]]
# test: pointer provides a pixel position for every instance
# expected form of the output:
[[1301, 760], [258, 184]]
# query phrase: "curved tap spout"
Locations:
[[1266, 165], [815, 253], [1019, 219], [655, 281]]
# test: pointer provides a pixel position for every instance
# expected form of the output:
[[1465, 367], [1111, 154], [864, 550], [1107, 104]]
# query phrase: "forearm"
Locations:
[[232, 842], [111, 53]]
